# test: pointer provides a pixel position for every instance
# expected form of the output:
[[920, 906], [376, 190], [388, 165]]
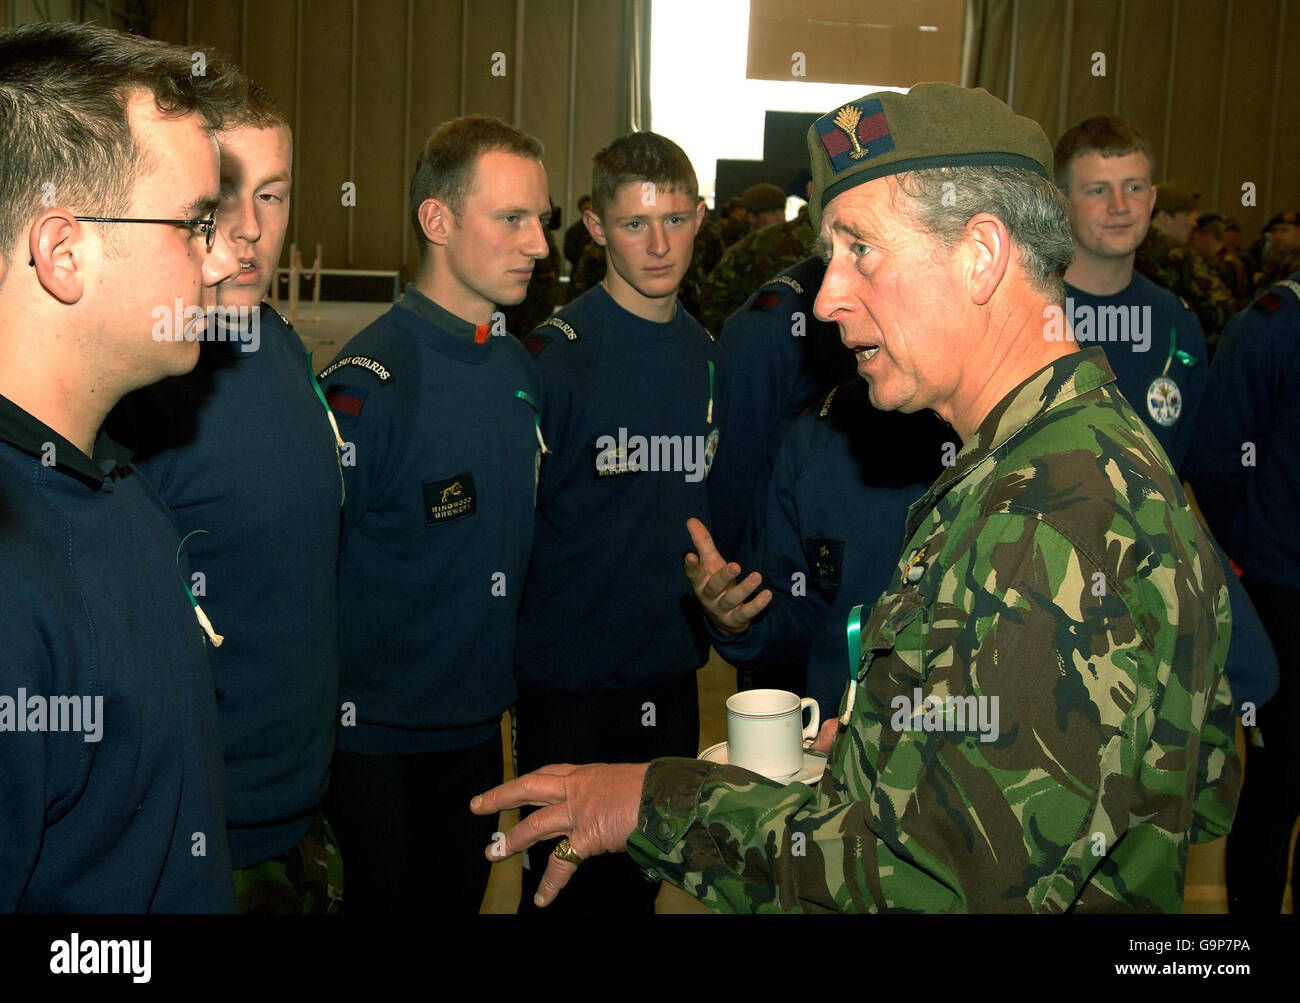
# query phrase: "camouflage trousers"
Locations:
[[307, 879]]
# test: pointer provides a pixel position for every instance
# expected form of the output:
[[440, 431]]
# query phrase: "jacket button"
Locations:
[[665, 829]]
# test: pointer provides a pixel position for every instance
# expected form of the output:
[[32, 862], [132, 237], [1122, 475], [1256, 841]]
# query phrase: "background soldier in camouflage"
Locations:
[[1207, 240], [1281, 251], [1166, 260], [1056, 567], [734, 221], [749, 263], [705, 255]]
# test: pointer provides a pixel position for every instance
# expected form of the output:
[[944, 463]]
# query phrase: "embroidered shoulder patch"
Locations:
[[788, 280], [535, 343], [374, 366], [346, 402], [563, 325]]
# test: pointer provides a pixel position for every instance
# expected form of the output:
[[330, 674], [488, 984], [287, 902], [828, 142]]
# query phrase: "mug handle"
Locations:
[[810, 732]]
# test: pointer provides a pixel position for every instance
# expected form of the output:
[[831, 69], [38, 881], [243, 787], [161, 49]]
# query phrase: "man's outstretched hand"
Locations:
[[595, 806], [715, 585]]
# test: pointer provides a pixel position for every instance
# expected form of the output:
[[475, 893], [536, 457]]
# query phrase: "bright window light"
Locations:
[[699, 96]]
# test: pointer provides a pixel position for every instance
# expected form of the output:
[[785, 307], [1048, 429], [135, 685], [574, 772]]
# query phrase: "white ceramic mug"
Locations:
[[765, 731]]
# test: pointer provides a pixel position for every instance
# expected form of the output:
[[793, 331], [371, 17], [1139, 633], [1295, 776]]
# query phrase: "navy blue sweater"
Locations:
[[1246, 466], [441, 475], [1186, 366], [95, 608], [607, 606], [780, 360], [836, 509], [242, 451]]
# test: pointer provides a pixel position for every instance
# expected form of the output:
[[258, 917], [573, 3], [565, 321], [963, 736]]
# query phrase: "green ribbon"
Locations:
[[537, 417], [854, 634], [708, 415]]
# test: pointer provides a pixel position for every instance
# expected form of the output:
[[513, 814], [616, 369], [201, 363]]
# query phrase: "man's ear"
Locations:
[[988, 246], [594, 227], [701, 210], [435, 220], [57, 245]]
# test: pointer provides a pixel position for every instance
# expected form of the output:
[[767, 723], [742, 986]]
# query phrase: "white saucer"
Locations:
[[814, 764]]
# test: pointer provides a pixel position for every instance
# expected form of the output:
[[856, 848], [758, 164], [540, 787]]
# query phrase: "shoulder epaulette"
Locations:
[[1186, 305], [373, 366], [283, 318], [563, 325]]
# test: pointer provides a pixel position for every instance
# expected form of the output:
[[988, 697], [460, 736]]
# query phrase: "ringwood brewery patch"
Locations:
[[826, 558], [449, 500]]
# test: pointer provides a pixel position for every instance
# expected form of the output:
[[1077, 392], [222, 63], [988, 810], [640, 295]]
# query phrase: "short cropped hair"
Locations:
[[64, 135], [1105, 134], [942, 201], [637, 158], [445, 168], [259, 111]]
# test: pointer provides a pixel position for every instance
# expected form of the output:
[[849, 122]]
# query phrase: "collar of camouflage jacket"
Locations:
[[1063, 380]]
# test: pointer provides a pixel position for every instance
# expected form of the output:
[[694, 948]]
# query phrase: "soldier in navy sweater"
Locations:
[[1152, 340], [440, 412], [110, 765], [1246, 471], [780, 360], [609, 634], [220, 444], [832, 529]]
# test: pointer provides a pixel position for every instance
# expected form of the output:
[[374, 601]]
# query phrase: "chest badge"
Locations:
[[710, 450], [1164, 401], [449, 500]]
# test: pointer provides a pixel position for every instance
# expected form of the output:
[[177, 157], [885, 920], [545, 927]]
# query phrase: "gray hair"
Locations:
[[943, 200]]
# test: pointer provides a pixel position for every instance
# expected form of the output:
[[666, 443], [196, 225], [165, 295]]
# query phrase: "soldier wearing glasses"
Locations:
[[110, 765]]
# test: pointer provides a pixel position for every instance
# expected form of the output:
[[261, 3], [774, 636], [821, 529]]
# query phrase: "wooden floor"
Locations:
[[1205, 887]]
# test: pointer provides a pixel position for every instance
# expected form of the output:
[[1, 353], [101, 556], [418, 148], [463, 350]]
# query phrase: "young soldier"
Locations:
[[440, 410], [110, 765], [1152, 339], [609, 634], [244, 453]]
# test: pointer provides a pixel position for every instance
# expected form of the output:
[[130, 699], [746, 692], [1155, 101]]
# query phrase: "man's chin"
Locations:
[[246, 297]]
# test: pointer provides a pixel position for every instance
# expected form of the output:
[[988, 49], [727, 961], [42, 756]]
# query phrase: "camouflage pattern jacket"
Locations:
[[749, 263], [1184, 272], [1056, 569]]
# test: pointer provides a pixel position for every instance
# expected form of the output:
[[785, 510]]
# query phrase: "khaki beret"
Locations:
[[932, 125]]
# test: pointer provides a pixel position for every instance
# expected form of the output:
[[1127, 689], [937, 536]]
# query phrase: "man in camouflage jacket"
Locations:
[[1165, 258], [1036, 717]]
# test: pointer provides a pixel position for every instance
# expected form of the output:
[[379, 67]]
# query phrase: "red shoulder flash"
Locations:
[[1268, 303], [535, 343]]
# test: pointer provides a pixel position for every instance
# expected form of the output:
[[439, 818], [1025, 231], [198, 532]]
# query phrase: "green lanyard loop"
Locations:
[[537, 417], [1186, 358], [708, 415]]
